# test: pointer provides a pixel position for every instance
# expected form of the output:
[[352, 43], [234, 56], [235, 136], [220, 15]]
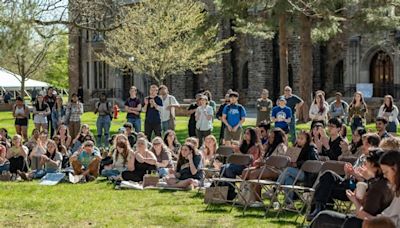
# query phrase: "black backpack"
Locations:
[[108, 108]]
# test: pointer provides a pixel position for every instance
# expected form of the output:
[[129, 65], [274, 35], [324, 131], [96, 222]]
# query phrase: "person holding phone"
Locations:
[[204, 116], [152, 106]]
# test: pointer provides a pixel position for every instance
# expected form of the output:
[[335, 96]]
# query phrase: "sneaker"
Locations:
[[90, 178], [24, 176], [318, 208]]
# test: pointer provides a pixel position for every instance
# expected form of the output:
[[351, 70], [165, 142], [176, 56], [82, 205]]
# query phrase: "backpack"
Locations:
[[108, 108]]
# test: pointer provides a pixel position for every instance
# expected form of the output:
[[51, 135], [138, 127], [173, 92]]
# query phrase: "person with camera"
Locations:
[[152, 106], [204, 118]]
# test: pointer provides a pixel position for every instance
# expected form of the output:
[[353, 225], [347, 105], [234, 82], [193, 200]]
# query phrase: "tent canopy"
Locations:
[[11, 81]]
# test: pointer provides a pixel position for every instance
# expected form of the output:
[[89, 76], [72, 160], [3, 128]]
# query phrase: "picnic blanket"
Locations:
[[52, 179]]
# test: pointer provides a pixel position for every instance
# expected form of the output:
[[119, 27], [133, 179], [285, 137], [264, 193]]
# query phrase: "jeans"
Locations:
[[110, 172], [287, 178], [232, 170], [391, 127], [103, 122], [136, 122], [4, 167], [165, 126], [162, 172], [292, 129]]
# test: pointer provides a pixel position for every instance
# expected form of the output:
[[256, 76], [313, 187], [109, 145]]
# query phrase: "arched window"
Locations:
[[381, 74]]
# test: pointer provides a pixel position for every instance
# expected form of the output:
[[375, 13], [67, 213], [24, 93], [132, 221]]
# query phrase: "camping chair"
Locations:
[[222, 154], [277, 163], [310, 167], [236, 159], [338, 168]]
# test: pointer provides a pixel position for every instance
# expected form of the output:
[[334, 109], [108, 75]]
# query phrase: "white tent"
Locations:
[[12, 82]]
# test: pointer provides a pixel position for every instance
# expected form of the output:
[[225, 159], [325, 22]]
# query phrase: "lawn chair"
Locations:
[[338, 168], [277, 163], [237, 159], [311, 167]]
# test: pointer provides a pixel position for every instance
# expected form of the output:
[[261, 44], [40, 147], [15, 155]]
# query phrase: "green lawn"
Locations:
[[97, 204]]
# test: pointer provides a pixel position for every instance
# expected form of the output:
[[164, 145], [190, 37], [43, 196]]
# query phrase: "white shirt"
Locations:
[[203, 124], [393, 211], [164, 113], [314, 112], [391, 116]]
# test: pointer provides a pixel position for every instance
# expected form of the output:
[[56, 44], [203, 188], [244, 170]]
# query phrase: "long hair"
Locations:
[[67, 134], [308, 143], [390, 107], [245, 146], [354, 146], [175, 143], [207, 150], [124, 145], [321, 105], [48, 154], [373, 158], [392, 158], [164, 148], [182, 160], [279, 137], [362, 101]]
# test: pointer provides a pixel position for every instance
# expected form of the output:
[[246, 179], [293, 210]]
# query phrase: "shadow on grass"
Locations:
[[198, 195]]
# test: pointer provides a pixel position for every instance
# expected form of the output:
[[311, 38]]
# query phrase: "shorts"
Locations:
[[21, 122], [40, 119], [230, 135]]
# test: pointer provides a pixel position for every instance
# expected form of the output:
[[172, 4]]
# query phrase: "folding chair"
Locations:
[[277, 163], [324, 158], [349, 159], [223, 153], [310, 167], [236, 159], [338, 168]]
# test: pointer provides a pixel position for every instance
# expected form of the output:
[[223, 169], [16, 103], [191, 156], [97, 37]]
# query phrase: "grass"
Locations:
[[96, 204]]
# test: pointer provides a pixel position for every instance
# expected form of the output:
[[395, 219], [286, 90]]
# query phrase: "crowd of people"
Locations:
[[60, 141]]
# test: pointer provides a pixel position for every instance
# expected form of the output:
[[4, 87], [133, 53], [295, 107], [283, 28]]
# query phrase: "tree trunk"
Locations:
[[306, 65], [283, 53], [23, 79], [73, 60]]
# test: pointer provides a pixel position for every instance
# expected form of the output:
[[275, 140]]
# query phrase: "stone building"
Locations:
[[253, 64]]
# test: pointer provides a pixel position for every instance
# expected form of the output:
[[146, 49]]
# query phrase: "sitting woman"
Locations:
[[276, 146], [50, 161], [17, 155], [188, 172], [355, 147], [376, 199], [4, 163], [65, 137], [86, 161], [63, 150], [163, 155], [33, 140], [172, 143], [140, 162], [120, 153], [40, 149], [81, 137], [308, 152], [209, 150]]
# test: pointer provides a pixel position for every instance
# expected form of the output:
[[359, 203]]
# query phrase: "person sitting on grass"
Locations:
[[131, 135], [163, 155], [51, 162], [4, 163], [17, 155], [208, 152], [33, 140], [119, 155], [140, 162], [64, 152], [188, 169], [80, 138], [172, 143], [65, 137], [39, 150], [86, 161]]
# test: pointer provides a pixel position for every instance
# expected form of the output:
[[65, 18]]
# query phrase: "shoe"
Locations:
[[318, 208], [90, 178], [268, 194], [290, 207], [24, 176]]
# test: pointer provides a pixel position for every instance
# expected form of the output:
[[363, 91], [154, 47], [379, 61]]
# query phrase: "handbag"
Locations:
[[151, 179], [216, 194], [171, 121]]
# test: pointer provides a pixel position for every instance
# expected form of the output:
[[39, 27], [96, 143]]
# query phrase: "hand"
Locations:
[[344, 145], [235, 128], [229, 128], [146, 101], [363, 172], [190, 157], [352, 196], [45, 158], [348, 169]]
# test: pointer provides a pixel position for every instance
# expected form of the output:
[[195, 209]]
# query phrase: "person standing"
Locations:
[[389, 111], [74, 113], [152, 107], [338, 108], [104, 109], [50, 99], [21, 114], [219, 116], [357, 111], [168, 109], [294, 103], [41, 110], [192, 119], [58, 113], [282, 115], [133, 107], [264, 107], [233, 116], [204, 116]]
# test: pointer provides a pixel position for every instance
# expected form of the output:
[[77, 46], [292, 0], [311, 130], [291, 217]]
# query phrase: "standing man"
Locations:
[[264, 106], [169, 104], [219, 116], [152, 107], [104, 108], [282, 115], [294, 103], [133, 106], [50, 99], [233, 116], [192, 119]]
